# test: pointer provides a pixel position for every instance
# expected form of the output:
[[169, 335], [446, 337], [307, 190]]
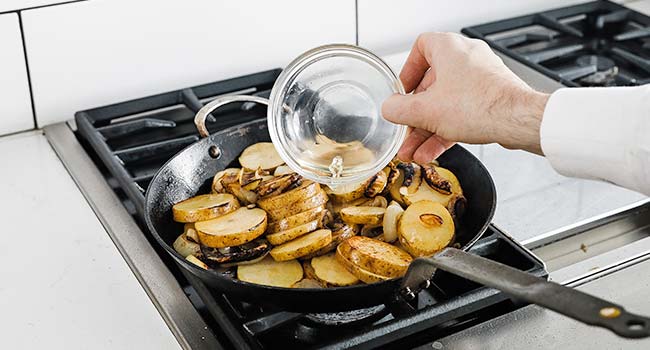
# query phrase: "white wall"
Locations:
[[93, 53], [15, 105]]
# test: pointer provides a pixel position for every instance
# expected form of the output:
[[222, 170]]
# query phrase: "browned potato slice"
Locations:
[[296, 220], [293, 233], [425, 228], [302, 245], [327, 269], [361, 274], [223, 178], [340, 233], [236, 228], [347, 192], [307, 283], [204, 207], [261, 155], [391, 217], [376, 184], [282, 211], [269, 272], [363, 215], [375, 256], [306, 190], [194, 260], [186, 247], [425, 192]]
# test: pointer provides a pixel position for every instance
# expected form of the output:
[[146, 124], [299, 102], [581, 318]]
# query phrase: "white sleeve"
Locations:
[[600, 133]]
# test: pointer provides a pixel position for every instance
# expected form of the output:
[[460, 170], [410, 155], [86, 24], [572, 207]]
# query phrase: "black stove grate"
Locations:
[[599, 43], [130, 141]]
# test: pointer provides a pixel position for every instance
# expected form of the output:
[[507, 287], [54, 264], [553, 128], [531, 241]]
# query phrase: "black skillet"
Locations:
[[190, 173]]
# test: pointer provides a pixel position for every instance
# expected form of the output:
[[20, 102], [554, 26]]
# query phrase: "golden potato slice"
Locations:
[[339, 234], [194, 260], [302, 245], [223, 178], [277, 213], [261, 155], [361, 274], [374, 256], [307, 283], [425, 192], [269, 272], [296, 220], [306, 190], [363, 215], [329, 270], [393, 213], [425, 228], [293, 233], [236, 228], [204, 207], [186, 247], [347, 192]]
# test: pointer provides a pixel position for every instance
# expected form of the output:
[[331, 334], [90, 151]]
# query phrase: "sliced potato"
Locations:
[[329, 270], [236, 228], [340, 232], [260, 155], [307, 283], [391, 218], [283, 211], [378, 257], [293, 233], [296, 220], [243, 195], [204, 207], [269, 272], [425, 228], [412, 178], [194, 260], [302, 245], [363, 215], [306, 190], [276, 185], [186, 247], [282, 170], [361, 274], [394, 189], [425, 192], [376, 184], [223, 178], [347, 192]]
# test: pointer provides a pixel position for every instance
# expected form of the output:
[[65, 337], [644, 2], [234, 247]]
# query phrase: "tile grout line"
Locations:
[[29, 76], [356, 22]]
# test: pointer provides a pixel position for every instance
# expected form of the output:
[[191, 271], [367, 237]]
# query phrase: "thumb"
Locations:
[[405, 109]]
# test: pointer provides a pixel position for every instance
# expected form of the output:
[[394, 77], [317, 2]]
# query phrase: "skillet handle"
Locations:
[[564, 300], [202, 114]]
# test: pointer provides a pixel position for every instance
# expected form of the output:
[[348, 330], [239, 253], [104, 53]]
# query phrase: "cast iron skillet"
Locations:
[[190, 172]]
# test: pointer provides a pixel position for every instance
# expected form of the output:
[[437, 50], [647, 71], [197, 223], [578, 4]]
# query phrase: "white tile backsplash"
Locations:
[[15, 104], [387, 26], [89, 54]]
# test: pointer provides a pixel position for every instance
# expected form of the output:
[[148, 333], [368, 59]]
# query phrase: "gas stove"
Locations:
[[599, 43], [127, 143]]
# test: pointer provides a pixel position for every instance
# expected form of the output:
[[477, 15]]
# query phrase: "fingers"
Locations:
[[411, 110], [416, 64], [431, 149], [414, 139]]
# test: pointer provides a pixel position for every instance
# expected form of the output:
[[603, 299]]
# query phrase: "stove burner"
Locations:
[[348, 318], [602, 63]]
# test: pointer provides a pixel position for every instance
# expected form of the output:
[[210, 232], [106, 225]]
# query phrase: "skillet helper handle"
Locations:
[[564, 300], [202, 114]]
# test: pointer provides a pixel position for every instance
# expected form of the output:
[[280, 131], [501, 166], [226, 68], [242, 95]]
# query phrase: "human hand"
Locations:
[[462, 92]]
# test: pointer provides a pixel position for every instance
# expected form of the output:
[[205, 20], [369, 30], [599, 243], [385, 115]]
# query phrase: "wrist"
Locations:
[[523, 121]]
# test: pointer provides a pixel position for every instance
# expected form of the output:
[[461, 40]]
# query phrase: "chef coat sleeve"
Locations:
[[600, 133]]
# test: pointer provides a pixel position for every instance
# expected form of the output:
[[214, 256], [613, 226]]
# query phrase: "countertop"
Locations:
[[64, 284]]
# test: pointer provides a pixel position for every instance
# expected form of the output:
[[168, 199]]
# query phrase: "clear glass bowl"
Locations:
[[324, 114]]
